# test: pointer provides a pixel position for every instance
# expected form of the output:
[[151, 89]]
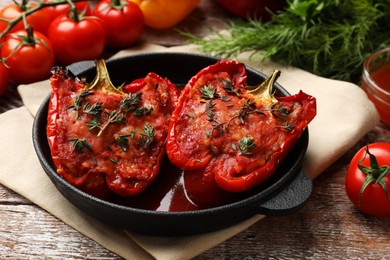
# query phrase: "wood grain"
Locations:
[[328, 227]]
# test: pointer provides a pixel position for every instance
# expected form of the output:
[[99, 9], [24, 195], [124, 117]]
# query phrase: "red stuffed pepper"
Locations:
[[227, 135], [105, 139]]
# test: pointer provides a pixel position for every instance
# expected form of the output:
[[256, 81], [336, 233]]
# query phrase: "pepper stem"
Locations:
[[264, 92], [102, 81]]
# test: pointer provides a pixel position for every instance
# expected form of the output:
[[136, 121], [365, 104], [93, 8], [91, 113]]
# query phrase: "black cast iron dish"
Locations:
[[285, 192]]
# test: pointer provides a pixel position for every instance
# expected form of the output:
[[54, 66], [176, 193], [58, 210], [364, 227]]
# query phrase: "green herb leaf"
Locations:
[[327, 38], [80, 144], [78, 101], [94, 109], [209, 93], [113, 117], [94, 123], [246, 144], [147, 137], [228, 86], [143, 111], [130, 102], [248, 108], [123, 141]]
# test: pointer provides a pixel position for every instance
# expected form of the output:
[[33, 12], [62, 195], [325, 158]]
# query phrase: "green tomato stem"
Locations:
[[30, 39], [374, 174], [116, 3], [73, 13]]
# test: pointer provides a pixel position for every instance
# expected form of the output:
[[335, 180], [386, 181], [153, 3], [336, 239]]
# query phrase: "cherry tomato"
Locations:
[[29, 56], [368, 180], [122, 20], [76, 39], [3, 79], [40, 19], [58, 10]]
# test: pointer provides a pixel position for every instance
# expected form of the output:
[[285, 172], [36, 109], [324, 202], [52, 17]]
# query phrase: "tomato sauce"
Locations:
[[168, 192], [380, 97]]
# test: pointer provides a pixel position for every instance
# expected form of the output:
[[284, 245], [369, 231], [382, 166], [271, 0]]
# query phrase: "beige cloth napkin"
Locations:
[[344, 116]]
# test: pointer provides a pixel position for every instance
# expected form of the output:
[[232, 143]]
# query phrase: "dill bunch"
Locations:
[[328, 38]]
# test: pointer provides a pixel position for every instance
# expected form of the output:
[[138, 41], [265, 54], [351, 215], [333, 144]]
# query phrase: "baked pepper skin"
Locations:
[[164, 14], [107, 141], [239, 135]]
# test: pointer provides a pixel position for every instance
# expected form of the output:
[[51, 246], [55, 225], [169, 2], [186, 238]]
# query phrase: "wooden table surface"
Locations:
[[328, 227]]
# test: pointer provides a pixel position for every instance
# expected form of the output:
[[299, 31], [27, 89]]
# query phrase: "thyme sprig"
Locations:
[[77, 103], [209, 93], [281, 112], [248, 108], [94, 109], [279, 109], [123, 141], [147, 137], [228, 86], [113, 117], [287, 126], [80, 144], [246, 144], [145, 140], [143, 111], [130, 103], [94, 123]]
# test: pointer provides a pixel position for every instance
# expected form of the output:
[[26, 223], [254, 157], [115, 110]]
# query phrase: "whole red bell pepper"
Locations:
[[231, 135], [108, 140]]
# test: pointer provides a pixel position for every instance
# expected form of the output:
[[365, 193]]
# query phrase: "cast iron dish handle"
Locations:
[[289, 199]]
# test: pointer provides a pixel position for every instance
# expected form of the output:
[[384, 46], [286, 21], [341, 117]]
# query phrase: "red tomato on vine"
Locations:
[[28, 56], [368, 180], [3, 79], [122, 20], [76, 37], [39, 19]]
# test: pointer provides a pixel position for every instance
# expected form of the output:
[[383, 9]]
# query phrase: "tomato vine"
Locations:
[[28, 11]]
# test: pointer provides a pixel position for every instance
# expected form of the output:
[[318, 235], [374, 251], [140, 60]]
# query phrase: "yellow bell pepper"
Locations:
[[163, 14]]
